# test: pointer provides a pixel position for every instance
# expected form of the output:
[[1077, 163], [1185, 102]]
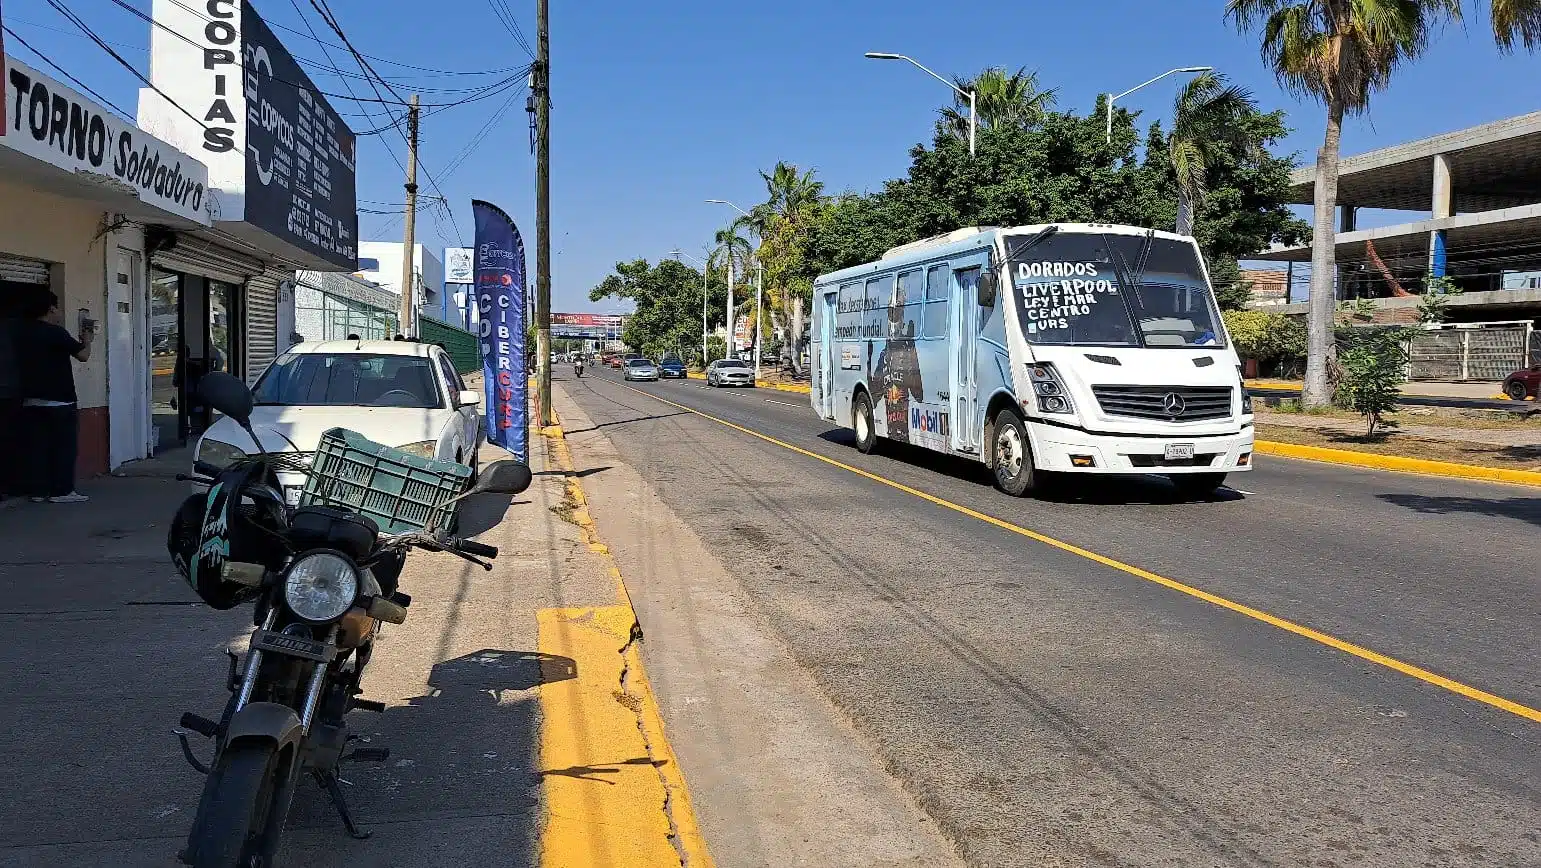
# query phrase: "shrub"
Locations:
[[1372, 365]]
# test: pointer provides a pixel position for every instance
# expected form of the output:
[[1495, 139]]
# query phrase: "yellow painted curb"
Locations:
[[1397, 463], [603, 796], [574, 812]]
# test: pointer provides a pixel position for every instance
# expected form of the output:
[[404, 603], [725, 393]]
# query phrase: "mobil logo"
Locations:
[[929, 421]]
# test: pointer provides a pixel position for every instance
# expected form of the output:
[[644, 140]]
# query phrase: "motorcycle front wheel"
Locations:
[[241, 817]]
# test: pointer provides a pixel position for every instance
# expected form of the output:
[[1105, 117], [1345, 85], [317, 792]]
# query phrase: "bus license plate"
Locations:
[[1179, 451]]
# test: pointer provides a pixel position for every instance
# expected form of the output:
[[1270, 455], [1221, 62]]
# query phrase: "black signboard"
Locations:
[[300, 158]]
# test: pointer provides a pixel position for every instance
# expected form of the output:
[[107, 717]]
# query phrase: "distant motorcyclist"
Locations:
[[578, 366]]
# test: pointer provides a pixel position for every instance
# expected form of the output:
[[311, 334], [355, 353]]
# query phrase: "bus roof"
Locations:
[[971, 239]]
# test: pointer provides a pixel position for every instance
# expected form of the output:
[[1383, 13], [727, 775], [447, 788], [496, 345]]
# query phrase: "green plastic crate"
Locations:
[[400, 491]]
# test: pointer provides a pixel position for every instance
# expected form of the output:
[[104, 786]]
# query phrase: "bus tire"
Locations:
[[1011, 455], [866, 427]]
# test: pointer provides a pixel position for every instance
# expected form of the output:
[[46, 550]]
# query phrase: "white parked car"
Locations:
[[729, 372], [398, 393]]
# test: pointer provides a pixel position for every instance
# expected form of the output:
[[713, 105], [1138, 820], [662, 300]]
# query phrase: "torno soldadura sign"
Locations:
[[280, 156]]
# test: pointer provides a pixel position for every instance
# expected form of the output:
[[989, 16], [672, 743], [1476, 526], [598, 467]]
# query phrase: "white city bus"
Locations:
[[1038, 351]]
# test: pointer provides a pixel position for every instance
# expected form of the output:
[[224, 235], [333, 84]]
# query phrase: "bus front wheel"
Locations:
[[1011, 457], [866, 430]]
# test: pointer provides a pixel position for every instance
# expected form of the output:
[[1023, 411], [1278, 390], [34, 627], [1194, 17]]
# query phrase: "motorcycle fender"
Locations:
[[265, 721]]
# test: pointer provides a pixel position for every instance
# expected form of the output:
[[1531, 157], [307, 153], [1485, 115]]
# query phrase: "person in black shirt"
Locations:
[[10, 394], [49, 415]]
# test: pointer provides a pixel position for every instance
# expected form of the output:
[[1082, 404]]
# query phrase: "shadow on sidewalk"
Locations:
[[462, 785]]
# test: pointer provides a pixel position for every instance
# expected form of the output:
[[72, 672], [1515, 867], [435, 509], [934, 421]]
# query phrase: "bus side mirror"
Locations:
[[987, 287]]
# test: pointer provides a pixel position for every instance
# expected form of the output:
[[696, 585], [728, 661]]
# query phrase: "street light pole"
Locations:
[[973, 113], [1113, 97]]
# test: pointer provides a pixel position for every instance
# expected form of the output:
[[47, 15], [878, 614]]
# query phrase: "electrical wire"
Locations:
[[505, 16], [61, 70]]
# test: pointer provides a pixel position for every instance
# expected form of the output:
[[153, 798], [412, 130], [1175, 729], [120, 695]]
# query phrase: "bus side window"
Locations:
[[937, 297]]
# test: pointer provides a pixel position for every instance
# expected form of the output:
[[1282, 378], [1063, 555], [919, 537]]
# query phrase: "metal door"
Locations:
[[827, 356], [128, 360], [964, 316]]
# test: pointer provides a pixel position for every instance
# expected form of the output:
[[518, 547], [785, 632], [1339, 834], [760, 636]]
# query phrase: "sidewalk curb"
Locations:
[[1397, 463], [764, 384], [642, 702]]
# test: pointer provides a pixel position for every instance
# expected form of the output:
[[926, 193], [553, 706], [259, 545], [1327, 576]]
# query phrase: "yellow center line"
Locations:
[[1359, 651]]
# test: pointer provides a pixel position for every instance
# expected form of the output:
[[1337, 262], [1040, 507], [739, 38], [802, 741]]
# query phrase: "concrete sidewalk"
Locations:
[[486, 685]]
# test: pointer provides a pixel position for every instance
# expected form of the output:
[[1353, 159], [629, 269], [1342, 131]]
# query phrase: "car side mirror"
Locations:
[[467, 398], [503, 477], [227, 394], [987, 287]]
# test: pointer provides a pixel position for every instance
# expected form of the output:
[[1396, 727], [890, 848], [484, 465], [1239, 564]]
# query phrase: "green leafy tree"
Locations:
[[667, 298], [782, 223], [1372, 366], [1436, 296], [1340, 52], [1265, 336]]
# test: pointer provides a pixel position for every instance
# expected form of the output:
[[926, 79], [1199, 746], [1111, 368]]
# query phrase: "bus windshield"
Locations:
[[1094, 289]]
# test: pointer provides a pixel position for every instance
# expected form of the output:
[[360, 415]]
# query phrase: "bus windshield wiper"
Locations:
[[1143, 259], [1042, 235]]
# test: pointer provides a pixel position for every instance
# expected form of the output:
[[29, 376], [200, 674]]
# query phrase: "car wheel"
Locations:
[[1516, 390], [1011, 457], [866, 429]]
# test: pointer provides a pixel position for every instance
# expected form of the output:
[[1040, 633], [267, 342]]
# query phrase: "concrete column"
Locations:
[[1441, 206]]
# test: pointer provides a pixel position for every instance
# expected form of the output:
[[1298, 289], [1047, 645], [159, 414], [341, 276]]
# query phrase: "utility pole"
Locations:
[[409, 243], [759, 299], [543, 210]]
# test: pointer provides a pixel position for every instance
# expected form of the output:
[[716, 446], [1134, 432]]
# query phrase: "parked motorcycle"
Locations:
[[322, 579]]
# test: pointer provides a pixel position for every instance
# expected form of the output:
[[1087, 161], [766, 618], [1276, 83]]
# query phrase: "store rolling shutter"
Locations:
[[196, 256], [262, 320], [18, 269]]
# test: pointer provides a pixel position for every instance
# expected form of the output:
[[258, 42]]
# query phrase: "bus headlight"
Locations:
[[1246, 396], [1052, 396], [321, 586]]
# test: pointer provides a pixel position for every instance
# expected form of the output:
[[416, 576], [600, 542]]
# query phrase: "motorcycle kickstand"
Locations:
[[333, 789]]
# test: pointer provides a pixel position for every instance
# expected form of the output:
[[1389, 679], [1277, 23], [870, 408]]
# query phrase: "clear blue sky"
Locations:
[[659, 106]]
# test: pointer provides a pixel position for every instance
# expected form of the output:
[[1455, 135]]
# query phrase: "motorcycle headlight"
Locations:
[[422, 449], [321, 586], [219, 454]]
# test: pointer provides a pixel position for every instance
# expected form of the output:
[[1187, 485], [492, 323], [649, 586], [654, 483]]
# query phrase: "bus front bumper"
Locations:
[[1076, 451]]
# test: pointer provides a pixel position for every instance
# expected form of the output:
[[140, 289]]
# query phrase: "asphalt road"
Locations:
[[1047, 708]]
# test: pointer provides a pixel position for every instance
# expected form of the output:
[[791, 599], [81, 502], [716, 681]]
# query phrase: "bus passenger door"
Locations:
[[962, 337], [824, 377]]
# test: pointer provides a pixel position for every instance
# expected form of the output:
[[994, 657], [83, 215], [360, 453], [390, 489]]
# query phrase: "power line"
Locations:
[[59, 69], [322, 43]]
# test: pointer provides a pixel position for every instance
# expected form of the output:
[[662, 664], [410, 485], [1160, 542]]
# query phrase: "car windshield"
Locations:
[[731, 363], [1085, 289], [640, 363], [349, 379]]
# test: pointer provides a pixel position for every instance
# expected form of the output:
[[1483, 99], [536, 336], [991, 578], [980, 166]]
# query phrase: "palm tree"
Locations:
[[731, 253], [1208, 118], [1340, 52], [1001, 99], [791, 195]]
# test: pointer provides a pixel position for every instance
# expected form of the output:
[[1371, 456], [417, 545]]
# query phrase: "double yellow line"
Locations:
[[1359, 651]]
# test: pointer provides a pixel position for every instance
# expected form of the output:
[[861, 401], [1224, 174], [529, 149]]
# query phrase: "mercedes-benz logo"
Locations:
[[1173, 404]]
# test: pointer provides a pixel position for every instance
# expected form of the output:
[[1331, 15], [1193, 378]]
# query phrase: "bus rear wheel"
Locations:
[[1011, 458], [866, 429]]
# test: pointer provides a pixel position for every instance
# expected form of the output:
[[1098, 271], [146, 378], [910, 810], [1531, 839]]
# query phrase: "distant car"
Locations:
[[671, 368], [729, 372], [1524, 383], [613, 361], [640, 369]]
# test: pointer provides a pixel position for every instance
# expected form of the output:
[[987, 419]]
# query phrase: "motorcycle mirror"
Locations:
[[227, 394], [503, 477]]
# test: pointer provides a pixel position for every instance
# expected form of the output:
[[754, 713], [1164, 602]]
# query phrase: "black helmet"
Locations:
[[210, 529]]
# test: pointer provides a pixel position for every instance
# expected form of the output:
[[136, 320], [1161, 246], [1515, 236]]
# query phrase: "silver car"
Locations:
[[639, 369], [729, 372]]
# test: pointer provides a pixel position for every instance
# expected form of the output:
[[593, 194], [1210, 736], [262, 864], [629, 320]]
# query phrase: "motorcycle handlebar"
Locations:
[[472, 547]]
